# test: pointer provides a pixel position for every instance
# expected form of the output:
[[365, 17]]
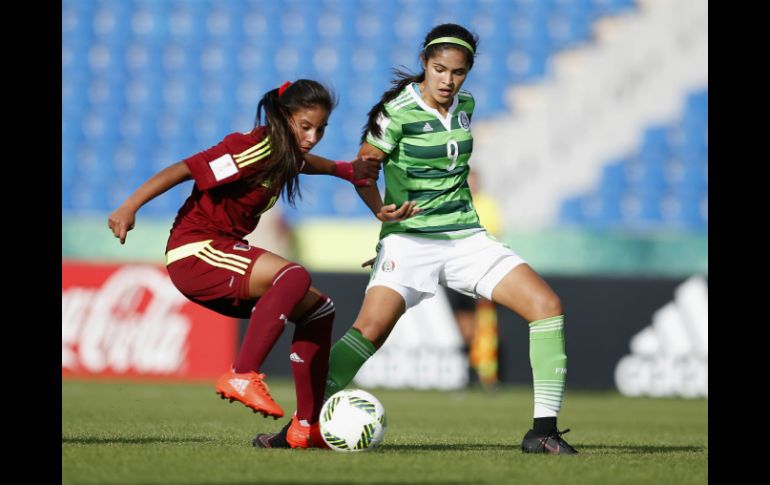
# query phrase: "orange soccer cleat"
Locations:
[[251, 389], [293, 435]]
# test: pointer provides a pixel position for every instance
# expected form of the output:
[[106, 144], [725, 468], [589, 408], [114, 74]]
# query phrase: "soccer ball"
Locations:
[[352, 420]]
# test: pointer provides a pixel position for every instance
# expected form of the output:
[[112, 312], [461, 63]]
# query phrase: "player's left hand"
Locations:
[[390, 213], [366, 169]]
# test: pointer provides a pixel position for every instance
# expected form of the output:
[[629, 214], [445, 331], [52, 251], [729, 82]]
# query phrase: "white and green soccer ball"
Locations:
[[352, 420]]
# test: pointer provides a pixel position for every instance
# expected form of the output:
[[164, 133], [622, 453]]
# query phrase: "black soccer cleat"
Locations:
[[272, 440], [552, 443]]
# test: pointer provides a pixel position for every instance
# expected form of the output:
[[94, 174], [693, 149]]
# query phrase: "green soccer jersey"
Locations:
[[428, 162]]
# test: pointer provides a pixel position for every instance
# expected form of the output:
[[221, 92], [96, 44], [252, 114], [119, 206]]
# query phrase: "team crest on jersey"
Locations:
[[388, 265], [241, 247], [465, 122]]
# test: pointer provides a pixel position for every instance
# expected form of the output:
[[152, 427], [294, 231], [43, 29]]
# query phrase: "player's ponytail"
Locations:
[[402, 80], [440, 37], [282, 168]]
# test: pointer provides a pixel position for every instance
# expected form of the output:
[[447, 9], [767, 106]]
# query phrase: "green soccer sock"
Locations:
[[347, 356], [549, 364]]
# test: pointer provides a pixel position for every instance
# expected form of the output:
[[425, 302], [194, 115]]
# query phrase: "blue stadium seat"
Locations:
[[100, 126], [316, 199], [614, 177], [646, 175], [180, 95], [697, 103], [571, 212], [74, 59], [224, 25], [526, 64], [568, 28], [413, 19], [83, 196], [605, 205], [76, 25], [655, 145], [178, 59], [641, 210], [93, 162], [373, 30], [105, 94], [112, 23], [137, 128], [150, 21], [527, 30], [187, 22], [685, 211], [612, 7], [68, 161]]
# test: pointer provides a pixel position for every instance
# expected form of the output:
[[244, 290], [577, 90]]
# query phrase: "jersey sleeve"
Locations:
[[215, 166], [391, 132]]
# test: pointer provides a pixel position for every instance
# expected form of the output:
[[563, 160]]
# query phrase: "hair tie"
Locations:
[[450, 40], [283, 88]]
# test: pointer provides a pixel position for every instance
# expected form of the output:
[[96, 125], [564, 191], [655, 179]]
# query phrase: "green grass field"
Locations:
[[140, 433]]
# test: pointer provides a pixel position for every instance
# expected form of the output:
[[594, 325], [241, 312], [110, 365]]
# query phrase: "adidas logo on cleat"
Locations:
[[239, 385]]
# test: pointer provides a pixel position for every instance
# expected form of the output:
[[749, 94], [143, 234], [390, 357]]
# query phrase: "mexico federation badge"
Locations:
[[388, 265], [465, 122]]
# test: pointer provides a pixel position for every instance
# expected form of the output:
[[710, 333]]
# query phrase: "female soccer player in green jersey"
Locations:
[[421, 132]]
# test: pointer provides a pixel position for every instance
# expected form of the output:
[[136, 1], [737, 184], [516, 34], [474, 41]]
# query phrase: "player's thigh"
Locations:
[[523, 291], [263, 272]]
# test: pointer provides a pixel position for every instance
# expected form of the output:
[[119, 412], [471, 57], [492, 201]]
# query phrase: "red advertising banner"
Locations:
[[130, 321]]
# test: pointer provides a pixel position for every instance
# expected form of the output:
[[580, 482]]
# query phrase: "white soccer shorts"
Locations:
[[414, 266]]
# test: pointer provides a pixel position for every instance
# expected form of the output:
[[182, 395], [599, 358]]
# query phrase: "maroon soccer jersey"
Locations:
[[223, 202]]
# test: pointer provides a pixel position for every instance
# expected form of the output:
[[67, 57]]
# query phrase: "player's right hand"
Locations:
[[120, 222], [389, 213]]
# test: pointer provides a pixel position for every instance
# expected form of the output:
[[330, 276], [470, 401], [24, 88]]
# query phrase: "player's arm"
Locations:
[[122, 219], [361, 172], [371, 195]]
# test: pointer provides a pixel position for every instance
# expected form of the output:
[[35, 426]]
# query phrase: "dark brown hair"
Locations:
[[282, 168], [404, 78]]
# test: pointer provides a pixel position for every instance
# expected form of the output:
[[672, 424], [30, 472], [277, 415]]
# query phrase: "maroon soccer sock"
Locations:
[[270, 314], [310, 358]]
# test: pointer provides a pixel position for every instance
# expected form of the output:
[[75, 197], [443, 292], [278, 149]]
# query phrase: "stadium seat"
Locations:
[[568, 28], [614, 177], [111, 23], [149, 21], [571, 212]]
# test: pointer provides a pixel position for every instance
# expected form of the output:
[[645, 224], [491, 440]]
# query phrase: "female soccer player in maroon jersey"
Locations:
[[212, 264]]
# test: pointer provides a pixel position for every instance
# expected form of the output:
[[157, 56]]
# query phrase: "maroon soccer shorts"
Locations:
[[215, 274]]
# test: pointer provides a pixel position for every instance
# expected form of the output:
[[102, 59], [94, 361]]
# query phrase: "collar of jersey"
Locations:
[[447, 122]]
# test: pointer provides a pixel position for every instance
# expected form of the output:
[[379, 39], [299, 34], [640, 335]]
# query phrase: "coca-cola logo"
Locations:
[[131, 323]]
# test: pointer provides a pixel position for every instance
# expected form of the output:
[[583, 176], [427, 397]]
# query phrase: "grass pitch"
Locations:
[[153, 433]]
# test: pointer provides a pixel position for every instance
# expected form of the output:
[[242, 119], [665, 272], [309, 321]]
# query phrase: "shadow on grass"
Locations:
[[640, 449], [583, 449], [92, 440], [448, 447]]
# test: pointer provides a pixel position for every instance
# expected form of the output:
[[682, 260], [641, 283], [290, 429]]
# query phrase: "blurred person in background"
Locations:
[[477, 317], [420, 130], [211, 263]]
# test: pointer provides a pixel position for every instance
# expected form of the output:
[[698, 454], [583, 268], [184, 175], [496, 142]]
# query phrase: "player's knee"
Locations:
[[375, 330], [322, 312], [294, 273], [548, 305]]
